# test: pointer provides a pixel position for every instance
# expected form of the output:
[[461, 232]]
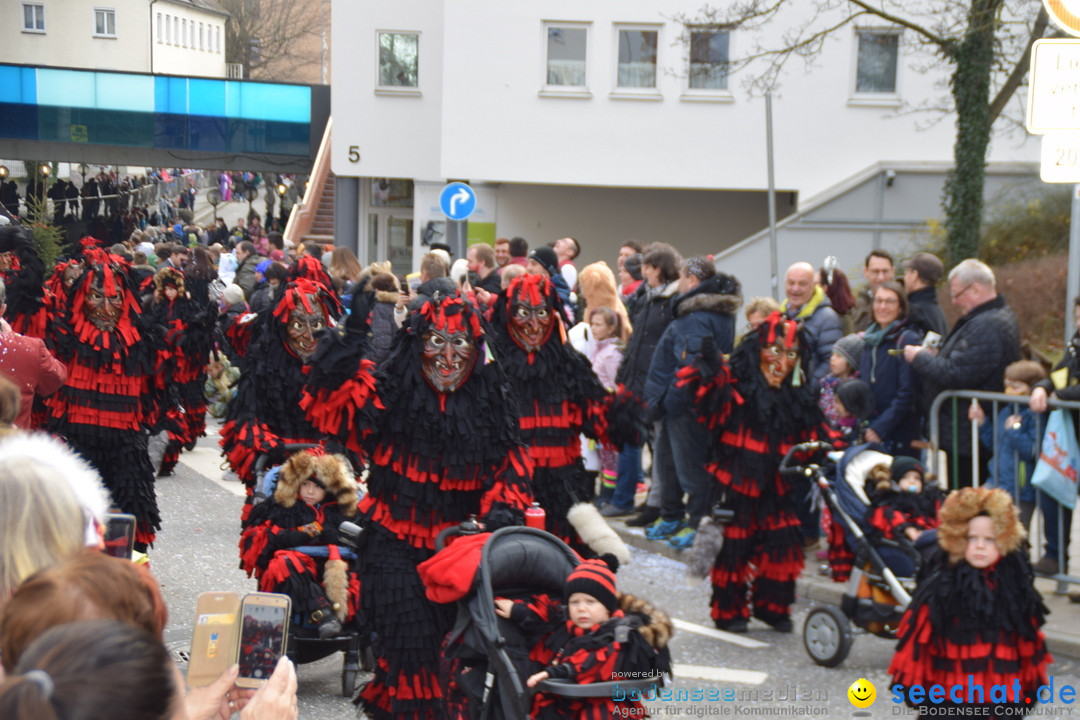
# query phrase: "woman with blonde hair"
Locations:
[[344, 266], [51, 504], [599, 289]]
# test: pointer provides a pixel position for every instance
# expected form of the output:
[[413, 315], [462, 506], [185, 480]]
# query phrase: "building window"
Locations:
[[159, 27], [183, 33], [566, 52], [709, 59], [33, 17], [399, 60], [168, 30], [637, 58], [217, 39], [875, 68], [104, 22], [202, 41]]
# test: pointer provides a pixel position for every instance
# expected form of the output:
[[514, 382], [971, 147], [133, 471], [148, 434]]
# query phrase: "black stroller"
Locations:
[[875, 598], [303, 644], [491, 651]]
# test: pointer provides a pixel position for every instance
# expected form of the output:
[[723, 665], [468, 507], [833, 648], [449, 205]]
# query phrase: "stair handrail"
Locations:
[[303, 212]]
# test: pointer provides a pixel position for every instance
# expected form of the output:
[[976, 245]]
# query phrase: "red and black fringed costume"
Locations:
[[265, 415], [292, 547], [558, 398], [975, 628], [189, 337], [27, 299], [437, 427], [111, 394], [754, 421]]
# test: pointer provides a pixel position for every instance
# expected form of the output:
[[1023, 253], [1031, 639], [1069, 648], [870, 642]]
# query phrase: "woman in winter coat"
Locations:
[[895, 422]]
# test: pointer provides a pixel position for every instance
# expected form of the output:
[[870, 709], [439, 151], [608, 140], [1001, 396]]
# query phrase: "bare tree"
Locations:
[[987, 43], [276, 39]]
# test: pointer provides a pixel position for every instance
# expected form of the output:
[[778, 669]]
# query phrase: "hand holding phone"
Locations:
[[264, 619]]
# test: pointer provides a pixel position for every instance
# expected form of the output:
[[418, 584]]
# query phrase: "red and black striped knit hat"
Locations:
[[593, 577]]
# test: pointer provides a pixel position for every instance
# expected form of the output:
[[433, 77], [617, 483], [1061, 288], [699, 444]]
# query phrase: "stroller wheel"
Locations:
[[348, 681], [827, 635]]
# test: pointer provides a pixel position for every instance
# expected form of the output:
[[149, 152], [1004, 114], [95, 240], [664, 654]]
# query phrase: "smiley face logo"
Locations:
[[862, 693]]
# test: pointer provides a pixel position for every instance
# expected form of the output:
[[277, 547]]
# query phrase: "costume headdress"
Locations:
[[963, 505]]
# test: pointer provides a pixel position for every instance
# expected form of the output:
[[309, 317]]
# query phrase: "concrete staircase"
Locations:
[[322, 228]]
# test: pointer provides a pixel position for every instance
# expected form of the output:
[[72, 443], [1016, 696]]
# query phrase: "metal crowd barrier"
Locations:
[[960, 400]]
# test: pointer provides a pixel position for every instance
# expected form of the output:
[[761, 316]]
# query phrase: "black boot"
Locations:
[[329, 625], [647, 516]]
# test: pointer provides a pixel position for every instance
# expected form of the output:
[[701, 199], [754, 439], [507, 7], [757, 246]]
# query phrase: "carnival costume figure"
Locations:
[[558, 398], [439, 430], [757, 406], [112, 392]]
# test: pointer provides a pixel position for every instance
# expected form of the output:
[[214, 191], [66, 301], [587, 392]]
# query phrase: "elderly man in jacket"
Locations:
[[807, 303], [973, 357]]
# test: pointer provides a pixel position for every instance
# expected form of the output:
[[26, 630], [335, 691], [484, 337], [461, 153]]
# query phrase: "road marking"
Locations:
[[206, 460], [732, 638], [715, 674]]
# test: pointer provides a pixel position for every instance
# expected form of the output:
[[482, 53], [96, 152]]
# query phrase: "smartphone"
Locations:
[[264, 624], [119, 535], [214, 639]]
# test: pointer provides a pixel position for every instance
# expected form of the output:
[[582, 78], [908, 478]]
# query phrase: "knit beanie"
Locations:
[[850, 348], [902, 465], [546, 257], [593, 577]]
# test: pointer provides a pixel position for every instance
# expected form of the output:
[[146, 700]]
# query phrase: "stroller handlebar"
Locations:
[[786, 467]]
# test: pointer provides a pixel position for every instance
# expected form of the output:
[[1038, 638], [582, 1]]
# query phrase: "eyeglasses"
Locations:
[[966, 288]]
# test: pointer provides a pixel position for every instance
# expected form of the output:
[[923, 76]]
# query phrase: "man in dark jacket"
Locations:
[[650, 316], [245, 270], [973, 357], [704, 312], [807, 303], [921, 275]]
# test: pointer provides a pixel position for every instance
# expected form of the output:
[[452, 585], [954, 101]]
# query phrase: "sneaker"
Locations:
[[1046, 566], [737, 625], [682, 539], [646, 516], [663, 529], [613, 510]]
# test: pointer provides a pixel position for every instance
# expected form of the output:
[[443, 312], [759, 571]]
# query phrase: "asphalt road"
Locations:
[[761, 673]]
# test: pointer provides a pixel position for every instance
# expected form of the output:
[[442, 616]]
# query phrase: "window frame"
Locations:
[[715, 95], [381, 89], [875, 99], [564, 91], [106, 13], [39, 13], [620, 92]]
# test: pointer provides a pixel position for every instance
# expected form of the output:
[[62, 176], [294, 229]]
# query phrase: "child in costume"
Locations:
[[602, 635], [605, 355], [975, 620], [905, 507], [315, 493]]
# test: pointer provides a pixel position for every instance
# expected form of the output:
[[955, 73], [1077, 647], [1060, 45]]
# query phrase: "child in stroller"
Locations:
[[290, 540], [905, 509], [511, 625]]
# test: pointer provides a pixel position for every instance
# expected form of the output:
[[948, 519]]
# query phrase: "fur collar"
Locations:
[[387, 296], [709, 302], [656, 627], [332, 470]]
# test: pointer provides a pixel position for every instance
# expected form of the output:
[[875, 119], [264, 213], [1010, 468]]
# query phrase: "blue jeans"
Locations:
[[682, 447], [629, 476]]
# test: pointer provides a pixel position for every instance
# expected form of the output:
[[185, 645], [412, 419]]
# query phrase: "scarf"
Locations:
[[873, 337], [808, 309]]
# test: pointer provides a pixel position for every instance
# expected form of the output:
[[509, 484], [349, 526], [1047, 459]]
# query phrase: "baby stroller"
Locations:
[[303, 644], [492, 652], [875, 598]]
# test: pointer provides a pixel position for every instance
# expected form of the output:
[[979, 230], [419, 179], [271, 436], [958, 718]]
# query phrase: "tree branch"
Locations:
[[1016, 77], [946, 44]]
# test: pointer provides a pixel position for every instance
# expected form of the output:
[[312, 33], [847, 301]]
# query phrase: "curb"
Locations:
[[817, 589]]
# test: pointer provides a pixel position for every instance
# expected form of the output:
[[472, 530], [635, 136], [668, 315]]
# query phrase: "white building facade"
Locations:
[[165, 37], [608, 121]]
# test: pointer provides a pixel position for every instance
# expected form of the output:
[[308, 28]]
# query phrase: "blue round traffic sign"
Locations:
[[457, 201]]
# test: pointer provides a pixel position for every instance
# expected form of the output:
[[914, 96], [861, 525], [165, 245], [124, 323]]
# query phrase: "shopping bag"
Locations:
[[1059, 460]]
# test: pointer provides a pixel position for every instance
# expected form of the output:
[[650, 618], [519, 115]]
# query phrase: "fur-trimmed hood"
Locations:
[[384, 296], [333, 471], [720, 294], [963, 505], [656, 627]]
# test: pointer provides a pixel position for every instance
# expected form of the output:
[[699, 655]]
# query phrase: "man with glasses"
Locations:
[[973, 357]]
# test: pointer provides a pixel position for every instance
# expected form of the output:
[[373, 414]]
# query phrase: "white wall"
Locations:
[[495, 126], [395, 135], [180, 53], [69, 41]]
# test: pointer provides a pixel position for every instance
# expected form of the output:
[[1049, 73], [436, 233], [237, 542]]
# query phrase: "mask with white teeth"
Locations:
[[448, 358]]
